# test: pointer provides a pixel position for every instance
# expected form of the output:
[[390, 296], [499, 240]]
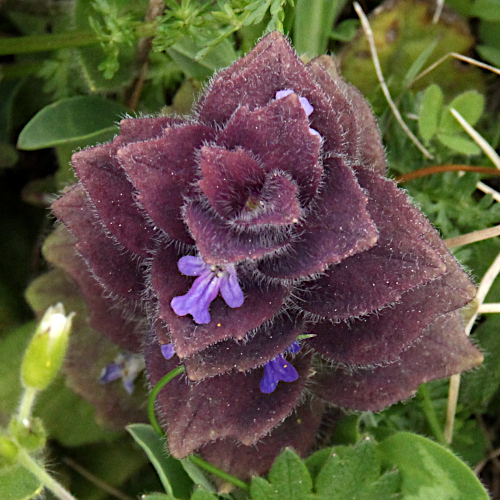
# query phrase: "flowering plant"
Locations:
[[317, 282]]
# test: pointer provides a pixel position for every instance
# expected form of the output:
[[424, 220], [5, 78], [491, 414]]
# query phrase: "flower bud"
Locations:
[[45, 353]]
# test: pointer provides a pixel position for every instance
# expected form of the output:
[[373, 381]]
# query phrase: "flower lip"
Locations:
[[279, 369], [211, 280]]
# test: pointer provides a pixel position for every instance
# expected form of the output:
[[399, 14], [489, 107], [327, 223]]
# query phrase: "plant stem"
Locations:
[[437, 169], [27, 402], [154, 393], [40, 43], [39, 471], [218, 472], [426, 403], [70, 39]]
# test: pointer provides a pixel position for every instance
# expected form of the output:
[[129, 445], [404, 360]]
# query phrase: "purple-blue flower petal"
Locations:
[[167, 350], [230, 288], [275, 370], [283, 93], [197, 301], [111, 372], [306, 105], [191, 266], [304, 101], [269, 381]]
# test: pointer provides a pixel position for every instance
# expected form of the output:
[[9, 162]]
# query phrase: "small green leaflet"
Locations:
[[428, 470], [169, 470], [89, 118]]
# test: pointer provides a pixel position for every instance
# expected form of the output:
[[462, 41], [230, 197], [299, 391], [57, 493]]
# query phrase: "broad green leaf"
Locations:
[[355, 472], [429, 470], [469, 104], [75, 118], [489, 33], [486, 9], [197, 475], [317, 460], [170, 471], [459, 144], [430, 111], [16, 483], [345, 30], [490, 54], [290, 476], [260, 489], [201, 494]]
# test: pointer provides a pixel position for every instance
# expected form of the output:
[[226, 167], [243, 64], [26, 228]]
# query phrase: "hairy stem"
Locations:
[[218, 472], [154, 393], [46, 479]]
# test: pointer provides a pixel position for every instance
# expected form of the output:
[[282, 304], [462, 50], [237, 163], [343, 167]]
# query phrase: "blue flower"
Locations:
[[167, 350], [125, 366], [211, 279], [279, 369]]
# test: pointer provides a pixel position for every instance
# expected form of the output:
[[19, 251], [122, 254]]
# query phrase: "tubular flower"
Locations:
[[216, 241]]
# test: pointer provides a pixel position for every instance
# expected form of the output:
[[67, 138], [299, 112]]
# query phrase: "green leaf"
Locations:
[[345, 30], [196, 474], [459, 144], [486, 9], [469, 104], [430, 111], [317, 460], [172, 476], [260, 489], [16, 483], [490, 54], [429, 470], [75, 118], [355, 473], [290, 476], [201, 494]]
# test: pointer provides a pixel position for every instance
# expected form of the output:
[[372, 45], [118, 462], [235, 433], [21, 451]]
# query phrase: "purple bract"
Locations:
[[216, 241]]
